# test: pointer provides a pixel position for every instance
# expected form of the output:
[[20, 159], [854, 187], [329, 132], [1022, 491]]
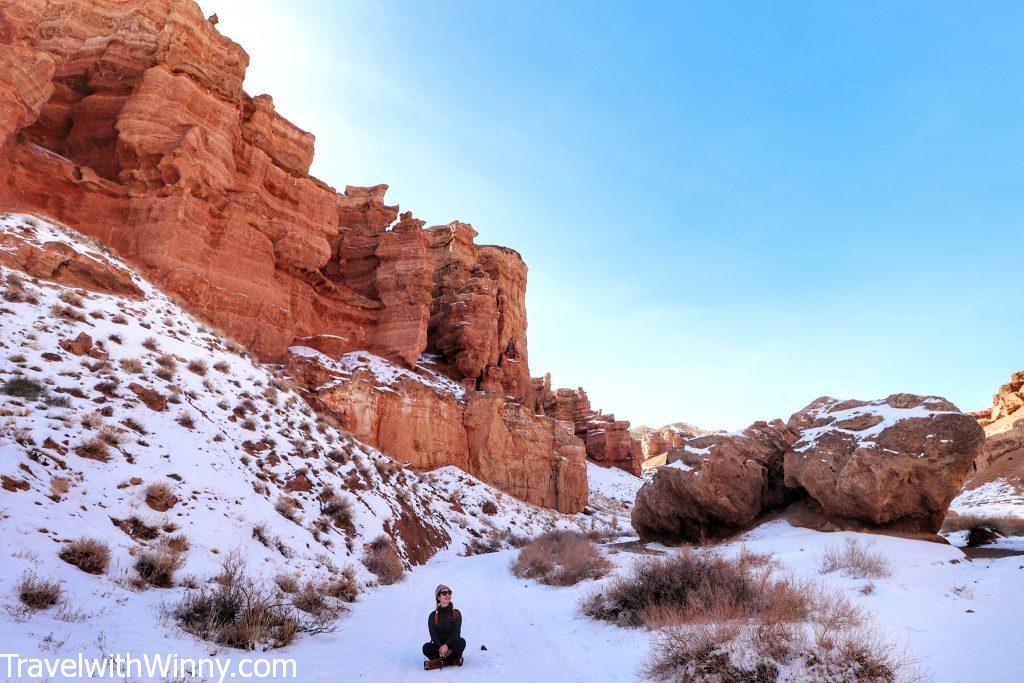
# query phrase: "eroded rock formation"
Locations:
[[423, 417], [1007, 405], [608, 441], [127, 121]]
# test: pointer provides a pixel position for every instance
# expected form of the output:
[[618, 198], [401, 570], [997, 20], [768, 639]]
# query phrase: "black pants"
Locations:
[[455, 650]]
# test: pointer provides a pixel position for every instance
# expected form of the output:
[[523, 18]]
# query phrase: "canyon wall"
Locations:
[[128, 121]]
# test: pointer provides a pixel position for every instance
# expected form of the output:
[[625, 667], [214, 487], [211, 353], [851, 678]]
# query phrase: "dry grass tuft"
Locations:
[[91, 555], [94, 449], [131, 365], [37, 593], [160, 497], [22, 387], [858, 560], [560, 558], [381, 557], [198, 366], [157, 567], [178, 543], [289, 509]]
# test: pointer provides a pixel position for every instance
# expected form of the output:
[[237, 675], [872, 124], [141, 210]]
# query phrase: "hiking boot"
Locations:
[[458, 661], [432, 664]]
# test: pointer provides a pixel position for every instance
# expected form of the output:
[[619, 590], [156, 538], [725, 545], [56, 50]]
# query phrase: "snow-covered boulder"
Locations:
[[894, 463]]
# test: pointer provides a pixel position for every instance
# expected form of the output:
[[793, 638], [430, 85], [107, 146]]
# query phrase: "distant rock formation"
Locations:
[[660, 441], [608, 441], [1007, 405], [893, 465]]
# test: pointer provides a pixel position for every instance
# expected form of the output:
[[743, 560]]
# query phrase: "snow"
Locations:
[[613, 483], [997, 498], [889, 415], [384, 373], [680, 465]]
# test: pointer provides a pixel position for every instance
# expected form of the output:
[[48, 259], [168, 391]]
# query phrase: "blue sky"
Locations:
[[727, 209]]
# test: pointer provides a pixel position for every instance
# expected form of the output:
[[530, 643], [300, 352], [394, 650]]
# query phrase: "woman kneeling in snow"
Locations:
[[445, 623]]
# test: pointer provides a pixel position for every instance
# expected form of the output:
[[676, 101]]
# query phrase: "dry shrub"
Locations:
[[151, 343], [37, 593], [67, 313], [736, 652], [338, 509], [243, 613], [560, 558], [858, 560], [489, 507], [288, 508], [71, 298], [982, 527], [160, 497], [131, 365], [22, 387], [157, 567], [287, 583], [94, 449], [198, 366], [178, 543], [381, 557], [346, 586], [111, 435], [221, 366], [490, 542], [91, 555], [691, 586], [312, 598], [186, 420]]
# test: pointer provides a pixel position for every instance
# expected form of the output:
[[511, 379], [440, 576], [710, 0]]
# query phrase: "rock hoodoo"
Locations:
[[128, 122]]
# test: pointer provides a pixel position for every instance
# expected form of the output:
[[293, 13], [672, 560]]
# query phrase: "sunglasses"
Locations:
[[445, 593]]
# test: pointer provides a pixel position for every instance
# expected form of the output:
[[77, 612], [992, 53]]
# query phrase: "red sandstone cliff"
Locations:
[[127, 120]]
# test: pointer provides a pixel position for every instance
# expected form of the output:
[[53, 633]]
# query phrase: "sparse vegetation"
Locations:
[[156, 567], [489, 507], [186, 420], [239, 612], [221, 366], [91, 555], [94, 449], [151, 343], [381, 557], [856, 559], [22, 387], [178, 543], [160, 497], [982, 529], [37, 593], [288, 508], [198, 366], [338, 509], [560, 558], [131, 365], [689, 586]]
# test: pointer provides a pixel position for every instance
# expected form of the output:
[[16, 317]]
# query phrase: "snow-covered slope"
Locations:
[[158, 399]]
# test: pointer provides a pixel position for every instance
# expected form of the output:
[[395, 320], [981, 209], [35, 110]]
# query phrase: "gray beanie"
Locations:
[[437, 591]]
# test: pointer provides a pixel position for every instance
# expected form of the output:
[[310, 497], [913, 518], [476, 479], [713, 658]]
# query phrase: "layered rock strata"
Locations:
[[425, 418], [1007, 407]]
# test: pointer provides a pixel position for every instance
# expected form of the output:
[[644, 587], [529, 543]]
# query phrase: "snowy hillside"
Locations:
[[129, 422]]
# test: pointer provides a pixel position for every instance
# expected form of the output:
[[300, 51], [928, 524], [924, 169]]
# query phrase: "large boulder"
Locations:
[[893, 463], [715, 485]]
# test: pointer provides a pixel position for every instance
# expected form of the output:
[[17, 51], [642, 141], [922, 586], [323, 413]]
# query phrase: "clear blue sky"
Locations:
[[728, 209]]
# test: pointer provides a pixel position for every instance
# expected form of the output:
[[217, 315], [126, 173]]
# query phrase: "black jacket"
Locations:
[[445, 624]]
